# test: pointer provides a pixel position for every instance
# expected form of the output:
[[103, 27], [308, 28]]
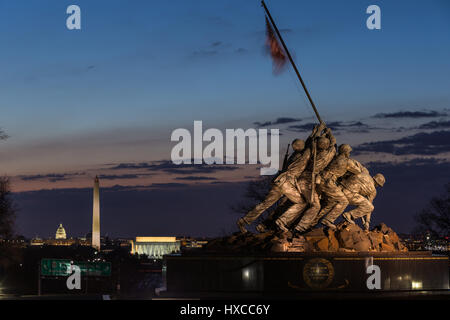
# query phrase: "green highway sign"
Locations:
[[62, 267]]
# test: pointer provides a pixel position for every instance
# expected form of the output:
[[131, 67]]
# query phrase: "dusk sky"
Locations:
[[105, 99]]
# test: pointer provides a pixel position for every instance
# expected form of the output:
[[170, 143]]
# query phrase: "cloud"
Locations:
[[129, 165], [410, 114], [118, 176], [302, 127], [435, 125], [421, 143], [51, 177], [416, 162], [169, 185], [355, 126], [216, 48], [211, 50], [241, 50], [282, 120], [169, 167], [3, 135], [195, 178]]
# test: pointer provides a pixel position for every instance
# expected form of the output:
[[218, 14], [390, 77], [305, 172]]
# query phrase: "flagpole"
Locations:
[[292, 62]]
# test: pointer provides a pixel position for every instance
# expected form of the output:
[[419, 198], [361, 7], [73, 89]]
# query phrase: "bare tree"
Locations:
[[435, 218], [7, 210], [255, 193]]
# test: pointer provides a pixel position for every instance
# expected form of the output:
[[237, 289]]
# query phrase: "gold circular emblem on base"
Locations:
[[318, 273]]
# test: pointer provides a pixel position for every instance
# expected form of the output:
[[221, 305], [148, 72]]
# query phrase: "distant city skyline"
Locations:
[[104, 100]]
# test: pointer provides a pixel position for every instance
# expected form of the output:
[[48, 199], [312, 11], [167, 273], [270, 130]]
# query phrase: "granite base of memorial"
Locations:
[[317, 261]]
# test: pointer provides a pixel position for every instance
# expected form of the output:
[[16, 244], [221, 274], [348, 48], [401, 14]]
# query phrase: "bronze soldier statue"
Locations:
[[360, 191], [285, 183], [331, 193], [340, 182], [326, 147]]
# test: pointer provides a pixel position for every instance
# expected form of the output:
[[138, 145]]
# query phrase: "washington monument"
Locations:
[[96, 216]]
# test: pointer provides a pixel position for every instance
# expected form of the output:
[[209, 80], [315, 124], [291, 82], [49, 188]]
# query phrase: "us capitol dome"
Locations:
[[60, 232]]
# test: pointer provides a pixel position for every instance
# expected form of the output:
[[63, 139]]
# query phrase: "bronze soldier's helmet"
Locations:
[[345, 148], [323, 143], [379, 179], [298, 145]]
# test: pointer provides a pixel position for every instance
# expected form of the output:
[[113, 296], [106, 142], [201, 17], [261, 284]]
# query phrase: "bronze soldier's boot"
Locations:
[[281, 225], [348, 217], [241, 225], [298, 233]]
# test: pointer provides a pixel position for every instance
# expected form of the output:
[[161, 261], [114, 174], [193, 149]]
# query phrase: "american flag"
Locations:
[[276, 51]]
